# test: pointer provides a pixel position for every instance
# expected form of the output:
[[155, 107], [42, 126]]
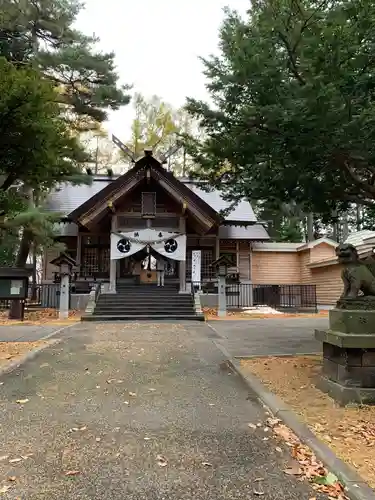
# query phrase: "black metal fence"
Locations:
[[44, 296], [288, 297]]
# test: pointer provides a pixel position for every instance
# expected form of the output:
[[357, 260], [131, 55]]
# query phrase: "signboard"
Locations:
[[16, 287], [196, 257]]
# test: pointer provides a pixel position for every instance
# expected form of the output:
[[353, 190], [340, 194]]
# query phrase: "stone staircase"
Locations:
[[144, 303]]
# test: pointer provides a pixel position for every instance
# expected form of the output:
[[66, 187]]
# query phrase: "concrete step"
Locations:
[[144, 317], [145, 303], [140, 312]]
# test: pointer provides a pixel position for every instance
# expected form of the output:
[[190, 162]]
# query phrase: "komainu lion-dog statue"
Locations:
[[358, 275]]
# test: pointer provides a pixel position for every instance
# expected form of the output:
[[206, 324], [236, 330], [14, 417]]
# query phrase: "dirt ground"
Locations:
[[350, 432], [211, 314], [40, 316], [12, 351]]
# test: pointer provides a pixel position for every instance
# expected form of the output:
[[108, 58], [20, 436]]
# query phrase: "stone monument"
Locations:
[[349, 343], [66, 265], [221, 265]]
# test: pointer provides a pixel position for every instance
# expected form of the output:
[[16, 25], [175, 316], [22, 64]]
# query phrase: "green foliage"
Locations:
[[53, 84], [159, 126], [36, 146], [284, 222], [41, 33], [293, 115]]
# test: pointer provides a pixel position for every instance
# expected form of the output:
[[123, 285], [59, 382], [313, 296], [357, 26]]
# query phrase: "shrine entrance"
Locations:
[[142, 267]]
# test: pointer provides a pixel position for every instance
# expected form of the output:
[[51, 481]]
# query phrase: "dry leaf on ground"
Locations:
[[72, 473], [162, 462], [22, 401]]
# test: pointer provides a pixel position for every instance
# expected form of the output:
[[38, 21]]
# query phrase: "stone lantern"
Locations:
[[222, 264], [65, 263]]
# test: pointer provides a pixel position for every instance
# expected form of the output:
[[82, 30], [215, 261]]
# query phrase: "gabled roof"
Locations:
[[68, 197], [113, 192]]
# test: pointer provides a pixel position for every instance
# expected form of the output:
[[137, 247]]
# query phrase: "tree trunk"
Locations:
[[358, 217], [310, 226], [345, 227], [15, 311], [34, 277]]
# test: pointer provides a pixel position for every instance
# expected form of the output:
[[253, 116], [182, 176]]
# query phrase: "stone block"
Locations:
[[352, 357], [344, 395], [342, 339], [353, 322], [330, 369], [368, 358]]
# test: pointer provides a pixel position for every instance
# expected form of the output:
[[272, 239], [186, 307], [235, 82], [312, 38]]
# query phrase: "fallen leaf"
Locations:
[[259, 491], [328, 480], [72, 473], [22, 401], [271, 422], [15, 460], [295, 470], [162, 462], [4, 489], [252, 426]]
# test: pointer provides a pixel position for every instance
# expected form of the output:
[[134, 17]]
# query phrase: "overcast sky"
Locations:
[[157, 44]]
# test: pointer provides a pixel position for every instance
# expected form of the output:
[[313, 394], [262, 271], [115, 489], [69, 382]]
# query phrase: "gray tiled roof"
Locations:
[[255, 232], [68, 197], [229, 232]]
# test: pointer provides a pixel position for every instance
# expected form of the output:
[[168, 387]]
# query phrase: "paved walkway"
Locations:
[[26, 333], [269, 336], [114, 403]]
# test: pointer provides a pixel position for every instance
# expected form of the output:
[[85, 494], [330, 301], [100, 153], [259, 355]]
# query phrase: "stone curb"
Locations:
[[33, 353], [356, 487]]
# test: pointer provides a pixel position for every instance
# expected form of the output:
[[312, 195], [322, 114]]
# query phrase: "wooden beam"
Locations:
[[103, 204]]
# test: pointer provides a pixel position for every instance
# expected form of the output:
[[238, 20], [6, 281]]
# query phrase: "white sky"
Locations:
[[157, 44]]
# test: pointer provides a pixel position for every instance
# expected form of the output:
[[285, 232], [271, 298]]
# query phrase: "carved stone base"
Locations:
[[352, 321], [359, 303]]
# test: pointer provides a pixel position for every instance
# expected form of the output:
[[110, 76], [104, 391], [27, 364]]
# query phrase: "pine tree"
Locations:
[[40, 34]]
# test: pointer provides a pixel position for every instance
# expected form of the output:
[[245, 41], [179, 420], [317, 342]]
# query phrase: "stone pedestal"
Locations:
[[349, 353]]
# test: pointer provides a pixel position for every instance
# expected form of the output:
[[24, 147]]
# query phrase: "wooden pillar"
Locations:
[[182, 266], [113, 262], [79, 249], [238, 256], [217, 247]]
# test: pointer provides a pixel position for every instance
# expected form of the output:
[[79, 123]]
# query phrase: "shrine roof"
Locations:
[[67, 198]]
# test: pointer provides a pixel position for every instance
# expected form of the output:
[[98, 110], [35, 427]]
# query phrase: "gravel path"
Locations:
[[136, 411]]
